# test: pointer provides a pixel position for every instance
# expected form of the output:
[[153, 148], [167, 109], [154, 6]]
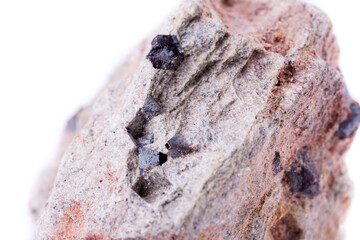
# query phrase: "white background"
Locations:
[[54, 57]]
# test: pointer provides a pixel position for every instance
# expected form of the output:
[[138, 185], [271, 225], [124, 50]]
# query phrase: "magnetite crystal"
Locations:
[[166, 52]]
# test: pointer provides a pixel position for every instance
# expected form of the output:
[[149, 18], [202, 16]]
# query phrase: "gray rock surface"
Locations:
[[248, 123]]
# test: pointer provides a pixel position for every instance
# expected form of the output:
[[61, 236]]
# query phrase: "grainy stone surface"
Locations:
[[254, 124]]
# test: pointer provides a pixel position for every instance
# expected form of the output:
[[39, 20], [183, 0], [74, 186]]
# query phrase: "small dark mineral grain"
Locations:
[[178, 146], [136, 127], [166, 52], [147, 139], [349, 126], [302, 177], [149, 158], [151, 108], [276, 165]]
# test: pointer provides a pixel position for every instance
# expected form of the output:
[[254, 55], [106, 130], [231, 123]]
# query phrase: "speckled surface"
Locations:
[[259, 87]]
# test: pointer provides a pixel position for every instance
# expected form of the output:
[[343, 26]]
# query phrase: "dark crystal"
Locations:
[[150, 158], [146, 139], [277, 166], [151, 108], [178, 146], [303, 177], [349, 126], [166, 52]]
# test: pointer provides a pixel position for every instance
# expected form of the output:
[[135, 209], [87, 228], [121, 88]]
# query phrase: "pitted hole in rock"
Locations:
[[229, 3], [136, 127], [149, 186], [286, 75], [286, 229], [163, 158]]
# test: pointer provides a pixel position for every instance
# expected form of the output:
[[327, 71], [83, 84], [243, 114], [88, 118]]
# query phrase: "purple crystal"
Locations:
[[166, 52]]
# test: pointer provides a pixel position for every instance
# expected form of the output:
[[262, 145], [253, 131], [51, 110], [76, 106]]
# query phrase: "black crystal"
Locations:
[[151, 108], [303, 177], [147, 139], [178, 146], [166, 52], [349, 126], [277, 166], [150, 158]]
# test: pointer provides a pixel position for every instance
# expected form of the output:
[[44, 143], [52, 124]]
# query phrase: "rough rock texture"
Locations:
[[253, 123]]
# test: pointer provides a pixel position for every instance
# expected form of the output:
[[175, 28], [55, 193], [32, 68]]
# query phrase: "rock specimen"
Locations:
[[232, 125]]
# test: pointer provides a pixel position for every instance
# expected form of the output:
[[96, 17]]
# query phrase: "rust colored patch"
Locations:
[[71, 224], [214, 231], [95, 237], [275, 42], [284, 77], [112, 180]]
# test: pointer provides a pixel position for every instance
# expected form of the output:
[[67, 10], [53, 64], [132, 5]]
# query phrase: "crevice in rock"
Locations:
[[148, 186], [286, 75], [186, 23], [254, 58], [204, 70], [229, 3], [286, 228], [162, 158]]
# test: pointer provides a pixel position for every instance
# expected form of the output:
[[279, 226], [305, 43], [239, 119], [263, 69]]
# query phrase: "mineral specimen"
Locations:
[[245, 140]]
